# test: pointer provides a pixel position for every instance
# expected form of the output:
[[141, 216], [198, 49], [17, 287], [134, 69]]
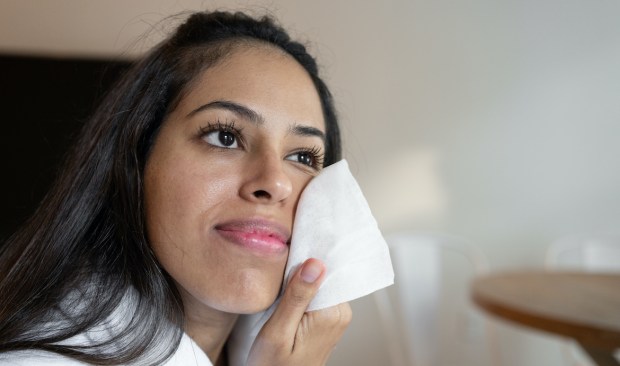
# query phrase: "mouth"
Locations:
[[258, 235]]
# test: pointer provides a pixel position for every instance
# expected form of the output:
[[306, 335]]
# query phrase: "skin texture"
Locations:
[[221, 186]]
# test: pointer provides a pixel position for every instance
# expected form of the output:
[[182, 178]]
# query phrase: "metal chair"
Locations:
[[427, 316], [583, 253]]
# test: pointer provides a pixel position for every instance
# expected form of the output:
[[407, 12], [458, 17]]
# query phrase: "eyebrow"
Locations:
[[236, 108], [301, 130], [253, 116]]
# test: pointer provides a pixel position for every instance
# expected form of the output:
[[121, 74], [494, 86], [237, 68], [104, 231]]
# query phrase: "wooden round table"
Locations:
[[582, 306]]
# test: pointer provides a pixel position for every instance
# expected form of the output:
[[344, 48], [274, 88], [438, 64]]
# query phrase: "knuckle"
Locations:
[[338, 316], [346, 314], [342, 316]]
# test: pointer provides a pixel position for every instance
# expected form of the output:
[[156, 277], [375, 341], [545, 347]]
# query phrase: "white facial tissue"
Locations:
[[333, 223]]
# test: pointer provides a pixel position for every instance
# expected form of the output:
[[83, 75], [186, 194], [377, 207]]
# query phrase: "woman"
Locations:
[[174, 211]]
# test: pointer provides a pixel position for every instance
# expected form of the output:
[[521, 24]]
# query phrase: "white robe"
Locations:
[[188, 354]]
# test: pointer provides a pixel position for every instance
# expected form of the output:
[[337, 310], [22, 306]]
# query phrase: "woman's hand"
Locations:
[[293, 336]]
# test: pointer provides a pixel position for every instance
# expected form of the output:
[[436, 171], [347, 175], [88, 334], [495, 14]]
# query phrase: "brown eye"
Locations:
[[304, 157], [224, 139]]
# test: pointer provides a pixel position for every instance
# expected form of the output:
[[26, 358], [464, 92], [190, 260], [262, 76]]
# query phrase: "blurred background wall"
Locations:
[[497, 121]]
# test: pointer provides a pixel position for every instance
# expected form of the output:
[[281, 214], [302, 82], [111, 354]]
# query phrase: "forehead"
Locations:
[[262, 78]]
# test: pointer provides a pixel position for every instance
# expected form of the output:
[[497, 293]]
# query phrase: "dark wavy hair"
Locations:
[[85, 248]]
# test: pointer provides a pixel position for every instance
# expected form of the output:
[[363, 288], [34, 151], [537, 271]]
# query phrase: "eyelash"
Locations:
[[316, 154], [315, 151], [221, 126]]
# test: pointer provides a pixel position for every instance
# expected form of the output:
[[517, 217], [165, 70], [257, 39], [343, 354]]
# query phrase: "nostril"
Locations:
[[261, 194]]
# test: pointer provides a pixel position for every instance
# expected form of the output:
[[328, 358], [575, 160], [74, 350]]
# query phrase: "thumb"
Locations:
[[300, 290]]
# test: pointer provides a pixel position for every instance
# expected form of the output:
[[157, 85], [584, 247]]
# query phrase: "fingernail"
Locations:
[[311, 271]]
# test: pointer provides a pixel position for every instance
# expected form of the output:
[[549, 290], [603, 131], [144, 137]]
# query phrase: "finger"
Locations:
[[329, 322], [300, 291]]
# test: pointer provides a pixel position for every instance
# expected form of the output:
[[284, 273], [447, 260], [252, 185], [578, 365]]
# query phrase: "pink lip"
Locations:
[[256, 234]]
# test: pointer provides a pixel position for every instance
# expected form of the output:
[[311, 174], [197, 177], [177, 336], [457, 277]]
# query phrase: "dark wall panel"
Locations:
[[44, 102]]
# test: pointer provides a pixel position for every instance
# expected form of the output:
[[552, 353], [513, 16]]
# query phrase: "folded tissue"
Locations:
[[333, 223]]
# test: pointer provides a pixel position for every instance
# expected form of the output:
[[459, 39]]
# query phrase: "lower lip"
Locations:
[[260, 243]]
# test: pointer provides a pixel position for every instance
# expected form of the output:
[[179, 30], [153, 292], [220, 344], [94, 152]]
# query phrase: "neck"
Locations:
[[210, 332], [208, 328]]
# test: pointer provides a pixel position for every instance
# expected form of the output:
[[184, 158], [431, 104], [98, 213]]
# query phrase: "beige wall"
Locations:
[[494, 120]]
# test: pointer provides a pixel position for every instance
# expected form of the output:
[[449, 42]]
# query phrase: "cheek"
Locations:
[[182, 200], [179, 194]]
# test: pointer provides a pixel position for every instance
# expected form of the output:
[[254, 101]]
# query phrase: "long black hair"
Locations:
[[85, 249]]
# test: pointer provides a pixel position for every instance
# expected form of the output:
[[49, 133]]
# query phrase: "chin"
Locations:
[[248, 302], [253, 305], [252, 292]]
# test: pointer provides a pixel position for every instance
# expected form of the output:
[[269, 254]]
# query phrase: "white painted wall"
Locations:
[[494, 120]]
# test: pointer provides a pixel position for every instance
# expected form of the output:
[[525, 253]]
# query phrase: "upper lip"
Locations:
[[258, 226]]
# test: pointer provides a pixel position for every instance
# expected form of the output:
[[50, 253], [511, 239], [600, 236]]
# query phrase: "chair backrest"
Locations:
[[427, 315], [585, 253]]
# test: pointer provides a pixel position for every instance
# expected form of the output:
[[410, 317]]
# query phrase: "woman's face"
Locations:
[[224, 176]]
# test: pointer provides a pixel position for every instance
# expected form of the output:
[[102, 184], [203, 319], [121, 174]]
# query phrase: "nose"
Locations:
[[266, 181]]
